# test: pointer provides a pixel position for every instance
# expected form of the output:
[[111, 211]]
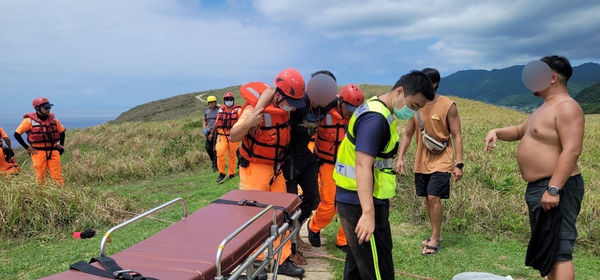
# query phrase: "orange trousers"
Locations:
[[256, 177], [226, 148], [8, 168], [326, 209], [41, 165], [3, 163]]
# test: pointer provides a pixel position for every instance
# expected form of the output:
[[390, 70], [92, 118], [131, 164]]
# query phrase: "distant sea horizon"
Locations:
[[69, 122]]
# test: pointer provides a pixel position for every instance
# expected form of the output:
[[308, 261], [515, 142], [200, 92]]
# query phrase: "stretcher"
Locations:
[[219, 241]]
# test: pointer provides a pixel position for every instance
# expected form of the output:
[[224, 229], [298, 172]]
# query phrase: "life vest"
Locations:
[[329, 136], [42, 133], [267, 143], [227, 117], [384, 177]]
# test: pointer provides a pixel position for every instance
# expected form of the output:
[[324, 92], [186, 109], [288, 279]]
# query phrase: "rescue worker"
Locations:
[[300, 167], [329, 135], [208, 123], [7, 162], [46, 137], [365, 177], [265, 134], [227, 116]]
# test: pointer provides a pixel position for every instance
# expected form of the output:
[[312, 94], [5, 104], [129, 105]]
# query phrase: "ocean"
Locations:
[[10, 124]]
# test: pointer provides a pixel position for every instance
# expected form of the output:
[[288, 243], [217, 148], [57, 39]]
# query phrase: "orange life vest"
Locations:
[[330, 133], [227, 117], [267, 143], [42, 133]]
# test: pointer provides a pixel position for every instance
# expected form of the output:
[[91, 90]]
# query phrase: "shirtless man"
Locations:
[[551, 141]]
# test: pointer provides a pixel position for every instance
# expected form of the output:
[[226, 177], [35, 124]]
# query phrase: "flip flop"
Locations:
[[424, 242], [434, 248]]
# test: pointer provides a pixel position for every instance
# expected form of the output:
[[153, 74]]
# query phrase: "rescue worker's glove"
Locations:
[[61, 150], [8, 153]]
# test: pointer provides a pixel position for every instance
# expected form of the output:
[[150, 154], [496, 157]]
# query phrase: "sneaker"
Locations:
[[313, 237], [289, 268], [231, 176], [221, 178], [344, 248]]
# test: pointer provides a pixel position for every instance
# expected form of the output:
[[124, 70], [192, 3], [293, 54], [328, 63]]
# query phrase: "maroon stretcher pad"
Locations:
[[187, 249]]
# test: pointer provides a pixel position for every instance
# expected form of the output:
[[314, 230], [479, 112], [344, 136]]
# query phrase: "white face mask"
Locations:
[[228, 103], [287, 108]]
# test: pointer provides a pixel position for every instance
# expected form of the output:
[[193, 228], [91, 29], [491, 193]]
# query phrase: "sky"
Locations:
[[98, 58]]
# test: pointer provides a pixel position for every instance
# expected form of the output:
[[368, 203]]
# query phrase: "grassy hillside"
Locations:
[[173, 107], [504, 86], [133, 166], [589, 98], [186, 105]]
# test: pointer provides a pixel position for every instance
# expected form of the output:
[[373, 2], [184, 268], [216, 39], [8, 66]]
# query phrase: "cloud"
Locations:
[[134, 38], [480, 34]]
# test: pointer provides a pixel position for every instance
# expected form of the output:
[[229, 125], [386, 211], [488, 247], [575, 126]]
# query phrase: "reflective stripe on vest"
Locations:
[[344, 174]]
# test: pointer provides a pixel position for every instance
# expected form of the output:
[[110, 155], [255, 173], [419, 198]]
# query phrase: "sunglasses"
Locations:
[[46, 106], [228, 99]]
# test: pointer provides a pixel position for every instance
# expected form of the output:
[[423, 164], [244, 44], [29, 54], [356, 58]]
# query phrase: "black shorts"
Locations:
[[570, 204], [436, 184]]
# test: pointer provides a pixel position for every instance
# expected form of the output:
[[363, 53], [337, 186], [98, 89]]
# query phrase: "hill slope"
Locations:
[[489, 198], [589, 98], [185, 105], [173, 107], [504, 86]]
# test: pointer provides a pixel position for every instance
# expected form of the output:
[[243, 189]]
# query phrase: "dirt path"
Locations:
[[317, 268]]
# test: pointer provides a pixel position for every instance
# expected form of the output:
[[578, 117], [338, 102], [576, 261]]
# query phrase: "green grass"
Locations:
[[33, 258], [135, 166], [460, 253]]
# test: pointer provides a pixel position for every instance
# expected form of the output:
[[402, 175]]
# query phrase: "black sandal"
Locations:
[[434, 248], [424, 242]]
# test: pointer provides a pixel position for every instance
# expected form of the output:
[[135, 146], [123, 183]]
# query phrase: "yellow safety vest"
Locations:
[[344, 175]]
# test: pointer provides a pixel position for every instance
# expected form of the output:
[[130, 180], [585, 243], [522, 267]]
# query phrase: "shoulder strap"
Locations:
[[420, 121], [254, 203], [111, 269]]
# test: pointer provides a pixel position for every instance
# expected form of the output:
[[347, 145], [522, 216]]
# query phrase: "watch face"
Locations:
[[553, 190], [460, 165]]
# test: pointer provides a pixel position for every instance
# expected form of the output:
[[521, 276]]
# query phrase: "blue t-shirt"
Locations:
[[372, 133]]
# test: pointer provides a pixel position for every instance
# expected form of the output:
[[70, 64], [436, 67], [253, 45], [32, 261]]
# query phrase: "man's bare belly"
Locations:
[[538, 160]]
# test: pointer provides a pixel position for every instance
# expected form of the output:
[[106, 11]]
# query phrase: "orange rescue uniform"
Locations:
[[329, 135], [259, 174], [46, 159], [3, 163], [226, 119]]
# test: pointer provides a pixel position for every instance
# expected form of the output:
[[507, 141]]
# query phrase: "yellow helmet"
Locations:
[[211, 98]]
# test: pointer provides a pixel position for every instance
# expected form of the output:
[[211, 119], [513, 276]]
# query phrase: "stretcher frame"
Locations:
[[248, 264]]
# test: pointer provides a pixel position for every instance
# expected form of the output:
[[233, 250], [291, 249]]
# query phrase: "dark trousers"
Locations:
[[303, 170], [209, 144], [359, 258]]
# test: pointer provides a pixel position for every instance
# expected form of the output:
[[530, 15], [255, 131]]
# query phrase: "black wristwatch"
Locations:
[[460, 165], [553, 190]]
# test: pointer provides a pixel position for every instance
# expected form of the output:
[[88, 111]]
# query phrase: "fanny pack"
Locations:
[[432, 144]]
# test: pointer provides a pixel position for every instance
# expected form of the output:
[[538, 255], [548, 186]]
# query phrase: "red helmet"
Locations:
[[290, 82], [227, 94], [39, 101], [352, 94]]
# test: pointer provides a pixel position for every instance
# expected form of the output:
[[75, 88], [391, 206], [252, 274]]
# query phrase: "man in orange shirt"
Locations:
[[46, 137], [265, 134], [433, 169]]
